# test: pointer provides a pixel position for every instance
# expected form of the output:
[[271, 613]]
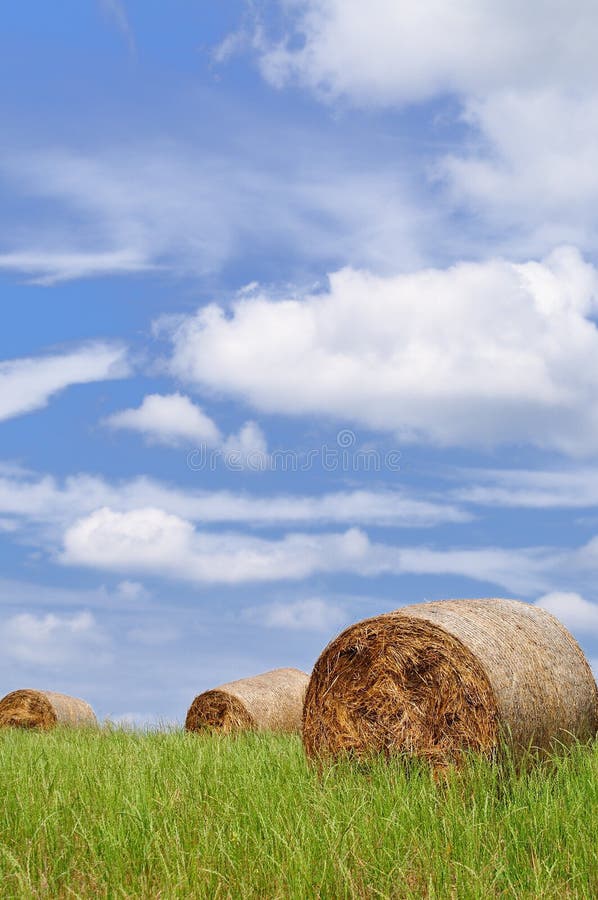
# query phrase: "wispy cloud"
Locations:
[[27, 499], [525, 84], [573, 488], [309, 614], [27, 384], [48, 267], [53, 640], [116, 12], [126, 596], [527, 175], [573, 610], [175, 208]]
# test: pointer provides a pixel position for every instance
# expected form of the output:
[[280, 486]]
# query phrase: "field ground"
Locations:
[[116, 814]]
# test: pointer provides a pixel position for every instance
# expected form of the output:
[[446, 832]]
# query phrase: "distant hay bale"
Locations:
[[269, 702], [436, 679], [44, 710]]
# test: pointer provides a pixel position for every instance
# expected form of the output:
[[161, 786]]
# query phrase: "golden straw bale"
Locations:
[[436, 679], [269, 702], [44, 710]]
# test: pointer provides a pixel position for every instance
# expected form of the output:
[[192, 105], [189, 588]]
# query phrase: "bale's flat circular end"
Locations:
[[27, 709], [219, 711], [398, 685]]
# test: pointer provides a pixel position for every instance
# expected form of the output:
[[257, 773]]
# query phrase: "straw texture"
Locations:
[[435, 679], [269, 702], [44, 710]]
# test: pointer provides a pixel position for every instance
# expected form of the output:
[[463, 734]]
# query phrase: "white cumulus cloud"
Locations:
[[395, 51], [477, 354], [174, 420], [155, 542], [169, 419], [150, 540]]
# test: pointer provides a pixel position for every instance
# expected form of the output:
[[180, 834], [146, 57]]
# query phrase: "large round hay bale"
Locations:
[[44, 710], [436, 679], [269, 702]]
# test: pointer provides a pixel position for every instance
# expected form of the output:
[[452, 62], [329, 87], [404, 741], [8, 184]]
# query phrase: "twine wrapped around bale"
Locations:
[[269, 702], [436, 679], [44, 710]]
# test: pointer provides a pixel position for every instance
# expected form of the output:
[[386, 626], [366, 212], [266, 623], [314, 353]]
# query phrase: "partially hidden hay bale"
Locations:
[[436, 679], [44, 710], [269, 702]]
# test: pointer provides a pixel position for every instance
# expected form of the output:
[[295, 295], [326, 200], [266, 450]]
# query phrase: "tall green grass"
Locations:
[[117, 814]]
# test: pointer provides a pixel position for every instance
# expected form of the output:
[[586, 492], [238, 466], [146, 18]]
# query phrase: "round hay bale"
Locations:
[[436, 679], [44, 710], [269, 702]]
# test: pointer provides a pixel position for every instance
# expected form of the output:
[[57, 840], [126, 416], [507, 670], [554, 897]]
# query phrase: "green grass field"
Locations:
[[117, 814]]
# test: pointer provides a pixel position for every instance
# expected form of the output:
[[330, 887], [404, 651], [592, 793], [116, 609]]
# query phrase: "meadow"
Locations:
[[110, 813]]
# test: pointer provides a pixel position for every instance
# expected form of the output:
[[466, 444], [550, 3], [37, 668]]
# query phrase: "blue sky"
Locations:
[[299, 326]]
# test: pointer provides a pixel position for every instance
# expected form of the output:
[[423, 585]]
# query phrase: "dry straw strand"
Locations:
[[272, 701], [436, 679], [44, 710]]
